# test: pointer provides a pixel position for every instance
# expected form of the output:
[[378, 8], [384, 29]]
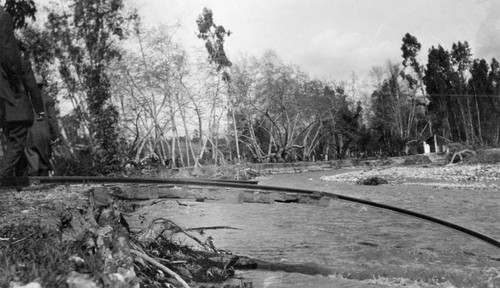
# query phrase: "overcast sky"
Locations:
[[333, 38]]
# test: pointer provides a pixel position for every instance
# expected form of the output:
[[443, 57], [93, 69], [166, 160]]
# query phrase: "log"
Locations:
[[247, 263], [211, 228]]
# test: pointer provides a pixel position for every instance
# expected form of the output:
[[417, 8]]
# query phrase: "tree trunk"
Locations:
[[479, 130], [236, 136]]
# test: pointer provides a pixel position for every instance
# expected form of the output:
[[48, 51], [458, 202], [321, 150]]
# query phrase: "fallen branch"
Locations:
[[211, 228], [182, 204], [186, 233], [461, 155], [247, 263], [162, 267], [180, 229], [22, 239]]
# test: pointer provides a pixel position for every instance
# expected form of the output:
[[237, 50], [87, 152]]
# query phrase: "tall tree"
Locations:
[[410, 48], [461, 60], [214, 37], [85, 34], [479, 88], [399, 114], [438, 82], [494, 91]]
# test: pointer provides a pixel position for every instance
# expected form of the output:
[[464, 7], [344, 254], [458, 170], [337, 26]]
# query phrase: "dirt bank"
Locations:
[[76, 236]]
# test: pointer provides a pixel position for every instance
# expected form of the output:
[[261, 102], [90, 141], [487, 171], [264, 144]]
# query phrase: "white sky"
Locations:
[[333, 38]]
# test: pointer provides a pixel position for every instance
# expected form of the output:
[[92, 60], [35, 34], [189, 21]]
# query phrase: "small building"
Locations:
[[436, 144]]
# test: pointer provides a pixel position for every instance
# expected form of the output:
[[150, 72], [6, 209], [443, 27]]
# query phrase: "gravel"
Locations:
[[478, 176]]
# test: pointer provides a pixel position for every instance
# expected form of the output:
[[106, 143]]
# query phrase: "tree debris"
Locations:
[[162, 267]]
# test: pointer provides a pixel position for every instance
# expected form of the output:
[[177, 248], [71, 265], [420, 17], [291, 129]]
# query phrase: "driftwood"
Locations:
[[247, 263], [162, 267], [461, 154], [160, 225], [200, 229]]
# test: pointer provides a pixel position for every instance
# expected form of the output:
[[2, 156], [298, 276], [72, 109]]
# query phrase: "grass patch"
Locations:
[[30, 252]]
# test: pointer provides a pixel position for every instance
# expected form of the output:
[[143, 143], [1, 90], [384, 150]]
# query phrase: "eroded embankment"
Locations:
[[61, 235], [76, 236]]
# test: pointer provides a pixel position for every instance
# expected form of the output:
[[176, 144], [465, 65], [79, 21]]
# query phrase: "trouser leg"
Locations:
[[16, 133], [33, 161]]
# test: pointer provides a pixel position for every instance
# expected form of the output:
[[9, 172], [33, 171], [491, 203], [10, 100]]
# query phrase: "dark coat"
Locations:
[[40, 138], [17, 83], [10, 56], [10, 60], [19, 107]]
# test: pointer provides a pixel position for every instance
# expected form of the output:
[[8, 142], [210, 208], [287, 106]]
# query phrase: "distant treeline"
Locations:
[[148, 98]]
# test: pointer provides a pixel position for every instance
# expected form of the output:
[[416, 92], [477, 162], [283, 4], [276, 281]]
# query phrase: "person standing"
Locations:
[[16, 109], [41, 136]]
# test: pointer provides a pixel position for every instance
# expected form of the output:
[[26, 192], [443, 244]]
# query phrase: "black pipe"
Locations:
[[243, 185]]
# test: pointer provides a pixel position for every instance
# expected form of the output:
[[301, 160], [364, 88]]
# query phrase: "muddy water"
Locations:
[[366, 247]]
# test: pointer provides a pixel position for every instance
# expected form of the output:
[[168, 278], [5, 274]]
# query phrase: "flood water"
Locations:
[[365, 247], [358, 242]]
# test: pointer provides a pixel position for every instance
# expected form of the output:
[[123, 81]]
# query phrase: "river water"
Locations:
[[364, 246]]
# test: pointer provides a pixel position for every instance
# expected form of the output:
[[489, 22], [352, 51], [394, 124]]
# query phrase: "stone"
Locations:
[[137, 192], [29, 285], [79, 280], [170, 191], [102, 197], [262, 197]]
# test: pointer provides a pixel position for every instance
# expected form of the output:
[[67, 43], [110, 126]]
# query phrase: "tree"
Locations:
[[341, 122], [461, 61], [214, 37], [485, 114], [399, 112], [152, 93], [438, 82], [283, 114], [410, 48], [85, 34]]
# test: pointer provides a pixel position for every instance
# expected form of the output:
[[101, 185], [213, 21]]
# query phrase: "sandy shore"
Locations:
[[447, 176]]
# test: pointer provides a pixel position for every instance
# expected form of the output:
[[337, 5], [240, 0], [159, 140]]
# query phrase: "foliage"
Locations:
[[85, 36], [463, 95], [397, 112], [410, 48], [19, 10], [148, 87], [284, 115], [213, 35]]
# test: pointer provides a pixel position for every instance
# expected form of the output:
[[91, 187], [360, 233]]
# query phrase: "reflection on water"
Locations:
[[358, 242]]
